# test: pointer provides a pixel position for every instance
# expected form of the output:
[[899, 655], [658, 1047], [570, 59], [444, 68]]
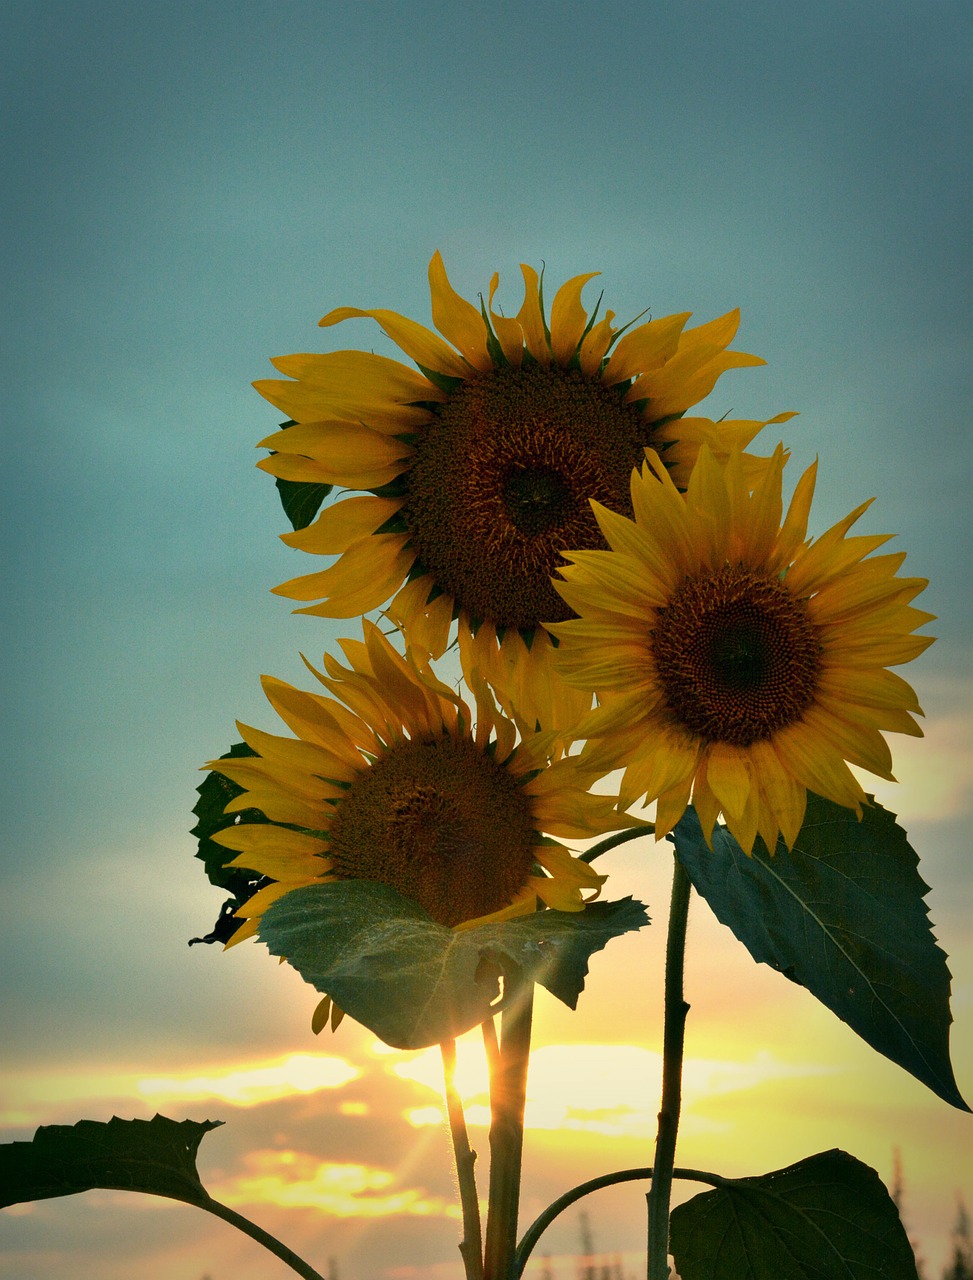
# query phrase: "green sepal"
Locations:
[[444, 381], [301, 499], [842, 914], [825, 1218], [413, 982], [156, 1156]]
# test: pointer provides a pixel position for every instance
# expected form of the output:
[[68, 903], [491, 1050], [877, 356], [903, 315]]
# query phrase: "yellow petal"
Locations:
[[343, 523], [425, 622], [508, 331], [264, 898], [568, 318], [290, 466], [562, 864], [352, 375], [456, 319], [670, 807], [320, 720], [257, 774], [305, 402], [645, 347], [870, 688], [246, 930], [365, 576], [785, 796], [277, 806], [531, 318], [728, 774], [296, 756], [817, 766], [857, 743], [426, 348], [265, 838], [358, 386], [363, 471], [348, 447], [287, 867], [666, 760], [595, 345], [718, 333]]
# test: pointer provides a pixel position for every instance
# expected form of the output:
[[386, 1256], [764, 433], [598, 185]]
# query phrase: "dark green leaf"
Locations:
[[215, 793], [843, 914], [413, 982], [301, 500], [825, 1218], [157, 1156]]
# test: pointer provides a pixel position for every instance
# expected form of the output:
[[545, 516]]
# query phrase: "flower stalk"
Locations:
[[471, 1246], [508, 1091], [673, 1040]]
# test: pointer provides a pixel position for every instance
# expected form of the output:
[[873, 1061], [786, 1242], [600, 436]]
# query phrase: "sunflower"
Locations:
[[474, 470], [393, 780], [739, 665]]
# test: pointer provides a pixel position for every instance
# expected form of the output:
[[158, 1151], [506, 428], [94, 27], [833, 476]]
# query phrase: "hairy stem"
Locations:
[[471, 1246], [508, 1089], [673, 1039], [269, 1242]]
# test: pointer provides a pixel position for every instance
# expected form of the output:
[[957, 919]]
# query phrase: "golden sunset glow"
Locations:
[[620, 1080], [295, 1180], [243, 1084]]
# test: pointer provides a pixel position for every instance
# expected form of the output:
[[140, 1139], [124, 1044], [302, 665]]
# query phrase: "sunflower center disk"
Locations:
[[737, 656], [439, 822], [537, 500], [501, 481]]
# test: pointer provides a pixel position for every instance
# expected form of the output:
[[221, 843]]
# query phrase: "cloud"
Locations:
[[248, 1086], [240, 1084], [295, 1180]]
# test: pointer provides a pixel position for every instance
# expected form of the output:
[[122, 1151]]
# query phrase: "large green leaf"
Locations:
[[157, 1156], [843, 914], [825, 1218], [413, 982]]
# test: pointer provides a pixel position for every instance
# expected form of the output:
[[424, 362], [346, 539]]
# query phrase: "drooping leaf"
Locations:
[[215, 793], [157, 1156], [414, 982], [842, 914], [825, 1218]]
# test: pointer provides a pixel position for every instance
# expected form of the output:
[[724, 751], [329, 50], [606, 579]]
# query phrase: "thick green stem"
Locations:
[[471, 1246], [508, 1093], [269, 1242], [673, 1039]]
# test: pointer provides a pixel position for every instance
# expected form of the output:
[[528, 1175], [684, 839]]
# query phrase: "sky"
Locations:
[[187, 189]]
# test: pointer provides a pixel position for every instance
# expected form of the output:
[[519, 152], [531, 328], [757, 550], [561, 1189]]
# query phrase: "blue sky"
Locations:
[[189, 187]]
